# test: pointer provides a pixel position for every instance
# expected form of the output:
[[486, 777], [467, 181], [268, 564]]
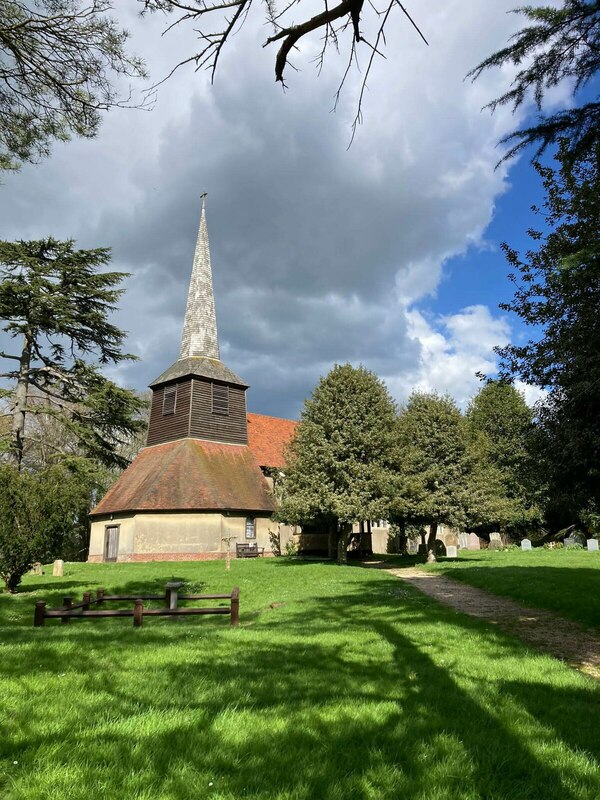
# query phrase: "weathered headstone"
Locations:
[[576, 537], [592, 545], [474, 543], [525, 544], [495, 537], [452, 551], [36, 569], [463, 540], [412, 546], [58, 568]]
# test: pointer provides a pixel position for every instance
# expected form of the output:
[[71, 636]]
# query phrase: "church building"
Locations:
[[202, 482]]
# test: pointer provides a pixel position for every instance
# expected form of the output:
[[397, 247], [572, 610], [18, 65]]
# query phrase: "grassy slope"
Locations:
[[565, 581], [355, 687]]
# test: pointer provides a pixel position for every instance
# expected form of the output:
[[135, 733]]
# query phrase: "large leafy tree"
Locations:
[[557, 44], [558, 295], [42, 516], [501, 420], [56, 305], [338, 462], [57, 62], [443, 475]]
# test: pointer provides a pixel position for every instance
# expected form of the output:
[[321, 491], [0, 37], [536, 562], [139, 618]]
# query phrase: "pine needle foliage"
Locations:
[[558, 44], [57, 306]]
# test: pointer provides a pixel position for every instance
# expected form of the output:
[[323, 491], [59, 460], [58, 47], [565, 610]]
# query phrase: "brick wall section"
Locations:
[[141, 557]]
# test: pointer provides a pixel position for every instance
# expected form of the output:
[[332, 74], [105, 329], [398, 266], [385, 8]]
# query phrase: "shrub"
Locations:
[[291, 548]]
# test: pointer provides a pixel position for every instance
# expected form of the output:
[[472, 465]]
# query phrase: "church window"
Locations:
[[220, 399], [250, 528], [169, 400]]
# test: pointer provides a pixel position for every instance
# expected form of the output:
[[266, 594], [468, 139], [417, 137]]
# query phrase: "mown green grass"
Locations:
[[357, 686], [565, 581]]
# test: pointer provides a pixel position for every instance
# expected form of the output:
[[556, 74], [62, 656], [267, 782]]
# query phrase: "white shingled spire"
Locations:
[[200, 326]]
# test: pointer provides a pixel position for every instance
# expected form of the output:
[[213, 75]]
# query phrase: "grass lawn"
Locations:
[[356, 686], [565, 581]]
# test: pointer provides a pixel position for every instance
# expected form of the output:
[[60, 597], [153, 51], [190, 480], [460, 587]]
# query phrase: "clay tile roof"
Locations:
[[190, 475], [267, 438]]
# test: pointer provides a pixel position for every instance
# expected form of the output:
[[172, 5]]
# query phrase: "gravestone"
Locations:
[[58, 568], [474, 543], [575, 538], [592, 545], [525, 544], [452, 551], [36, 569], [412, 547], [495, 537], [463, 540]]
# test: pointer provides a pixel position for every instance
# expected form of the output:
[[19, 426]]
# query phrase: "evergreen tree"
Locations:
[[338, 462], [558, 295], [57, 306], [443, 474], [57, 58], [500, 422], [558, 43], [42, 516]]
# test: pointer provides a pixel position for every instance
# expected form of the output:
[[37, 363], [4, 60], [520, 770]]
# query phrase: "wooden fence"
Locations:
[[171, 608]]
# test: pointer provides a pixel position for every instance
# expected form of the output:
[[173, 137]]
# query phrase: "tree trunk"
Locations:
[[431, 542], [332, 540], [344, 529], [15, 455]]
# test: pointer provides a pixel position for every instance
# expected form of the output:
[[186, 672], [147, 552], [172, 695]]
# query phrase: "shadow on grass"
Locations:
[[355, 695]]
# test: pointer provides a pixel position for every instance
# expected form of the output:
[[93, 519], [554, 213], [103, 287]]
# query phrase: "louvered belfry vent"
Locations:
[[169, 400], [220, 399]]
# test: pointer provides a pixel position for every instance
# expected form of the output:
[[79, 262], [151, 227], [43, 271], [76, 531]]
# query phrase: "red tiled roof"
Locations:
[[267, 438], [190, 475]]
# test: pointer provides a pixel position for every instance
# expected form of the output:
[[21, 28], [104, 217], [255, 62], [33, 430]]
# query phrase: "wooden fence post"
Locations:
[[67, 603], [235, 606], [86, 601], [138, 613], [39, 615], [100, 596]]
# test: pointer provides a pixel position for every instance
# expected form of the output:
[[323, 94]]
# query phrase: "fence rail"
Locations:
[[170, 597]]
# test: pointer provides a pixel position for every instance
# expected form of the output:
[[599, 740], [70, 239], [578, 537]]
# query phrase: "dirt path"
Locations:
[[543, 630]]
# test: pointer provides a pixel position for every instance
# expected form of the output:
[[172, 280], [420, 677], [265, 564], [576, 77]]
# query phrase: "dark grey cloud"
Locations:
[[318, 251]]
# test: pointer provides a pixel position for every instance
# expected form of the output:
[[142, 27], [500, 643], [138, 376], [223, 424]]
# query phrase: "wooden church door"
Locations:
[[111, 542]]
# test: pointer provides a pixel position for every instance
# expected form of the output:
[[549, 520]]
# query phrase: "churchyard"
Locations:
[[340, 682]]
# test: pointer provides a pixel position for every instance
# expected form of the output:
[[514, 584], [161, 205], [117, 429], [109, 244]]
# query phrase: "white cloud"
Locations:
[[453, 349]]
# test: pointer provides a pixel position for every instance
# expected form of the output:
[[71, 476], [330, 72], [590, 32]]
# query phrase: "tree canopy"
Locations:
[[56, 305], [558, 43], [501, 420], [58, 59], [557, 294], [338, 462]]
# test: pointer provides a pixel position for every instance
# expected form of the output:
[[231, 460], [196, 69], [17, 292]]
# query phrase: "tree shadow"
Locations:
[[329, 697]]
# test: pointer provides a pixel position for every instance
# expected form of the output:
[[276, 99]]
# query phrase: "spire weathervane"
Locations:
[[200, 325]]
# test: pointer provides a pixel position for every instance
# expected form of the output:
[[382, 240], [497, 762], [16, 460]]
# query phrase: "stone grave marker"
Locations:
[[592, 545], [463, 540], [58, 568], [575, 538], [525, 544], [452, 551], [474, 543], [36, 569], [495, 537]]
